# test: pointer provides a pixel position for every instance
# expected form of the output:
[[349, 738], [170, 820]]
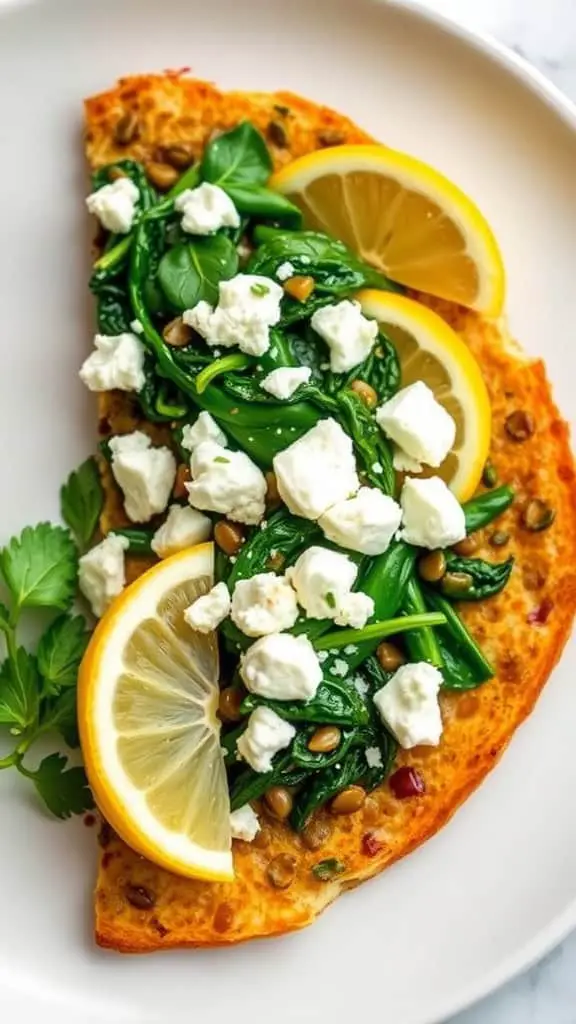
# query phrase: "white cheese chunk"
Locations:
[[265, 735], [204, 429], [432, 517], [117, 362], [348, 334], [248, 305], [283, 382], [207, 612], [227, 482], [285, 271], [206, 209], [317, 470], [115, 205], [373, 757], [403, 463], [366, 522], [264, 604], [420, 426], [322, 580], [408, 705], [281, 666], [184, 526], [101, 575], [145, 474], [244, 823], [355, 610]]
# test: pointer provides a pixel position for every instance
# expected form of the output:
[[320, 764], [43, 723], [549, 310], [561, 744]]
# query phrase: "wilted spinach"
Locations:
[[191, 271], [488, 578]]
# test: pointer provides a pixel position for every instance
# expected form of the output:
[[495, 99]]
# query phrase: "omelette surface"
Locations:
[[140, 907]]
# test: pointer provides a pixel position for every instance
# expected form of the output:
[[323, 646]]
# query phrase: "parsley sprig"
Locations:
[[38, 690]]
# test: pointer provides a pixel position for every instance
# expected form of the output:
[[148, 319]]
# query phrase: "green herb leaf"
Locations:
[[61, 714], [4, 618], [259, 289], [330, 599], [191, 272], [237, 157], [326, 870], [255, 201], [221, 458], [40, 567], [60, 652], [19, 690], [81, 501], [64, 790], [488, 578]]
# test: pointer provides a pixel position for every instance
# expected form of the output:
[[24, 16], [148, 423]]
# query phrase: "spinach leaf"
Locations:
[[250, 785], [372, 449], [257, 201], [489, 578], [190, 272], [381, 370], [237, 157], [285, 535], [325, 784], [420, 643], [474, 667], [312, 761], [160, 400], [486, 507], [335, 703], [113, 311]]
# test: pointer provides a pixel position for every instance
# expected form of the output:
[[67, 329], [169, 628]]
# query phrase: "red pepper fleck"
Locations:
[[89, 820], [407, 782], [370, 844], [539, 615]]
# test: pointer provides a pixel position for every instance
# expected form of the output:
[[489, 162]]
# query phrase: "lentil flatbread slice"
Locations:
[[164, 121]]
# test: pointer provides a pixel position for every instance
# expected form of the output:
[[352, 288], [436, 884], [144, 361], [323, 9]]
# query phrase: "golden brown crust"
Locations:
[[478, 725]]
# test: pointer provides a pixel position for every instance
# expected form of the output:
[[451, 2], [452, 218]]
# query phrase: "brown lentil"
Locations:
[[228, 536], [281, 870], [325, 739], [277, 134], [162, 176], [177, 333], [537, 515], [499, 538], [519, 425], [348, 801], [331, 137], [432, 567], [139, 896], [182, 478], [229, 703], [299, 287], [467, 546], [389, 656], [489, 475], [279, 801], [281, 109], [273, 498], [223, 917], [456, 583], [316, 833], [127, 128], [365, 392], [178, 156], [275, 561]]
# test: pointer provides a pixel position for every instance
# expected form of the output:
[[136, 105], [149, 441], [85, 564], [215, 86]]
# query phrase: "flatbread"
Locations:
[[522, 631]]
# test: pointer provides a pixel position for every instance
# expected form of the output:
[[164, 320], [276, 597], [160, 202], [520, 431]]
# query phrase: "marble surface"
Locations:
[[544, 32]]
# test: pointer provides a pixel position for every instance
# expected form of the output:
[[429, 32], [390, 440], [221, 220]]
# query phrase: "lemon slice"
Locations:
[[403, 217], [431, 351], [147, 702]]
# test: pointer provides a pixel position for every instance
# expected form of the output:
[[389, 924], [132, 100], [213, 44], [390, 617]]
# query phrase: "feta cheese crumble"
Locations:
[[206, 209], [373, 757], [317, 471], [348, 334], [244, 824], [248, 305], [207, 612], [408, 705], [204, 429], [227, 482], [264, 604], [432, 517], [183, 527], [117, 362], [403, 463], [101, 574], [283, 382], [322, 580], [145, 474], [115, 205], [281, 666], [285, 271], [418, 424], [265, 735], [366, 522], [355, 610]]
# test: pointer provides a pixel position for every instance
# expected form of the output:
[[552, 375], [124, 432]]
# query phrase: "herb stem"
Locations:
[[376, 630], [220, 366]]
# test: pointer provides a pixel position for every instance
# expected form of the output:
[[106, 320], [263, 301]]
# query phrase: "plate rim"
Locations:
[[559, 105]]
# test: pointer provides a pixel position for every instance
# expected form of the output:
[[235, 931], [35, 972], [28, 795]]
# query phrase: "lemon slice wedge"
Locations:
[[403, 217], [431, 351], [147, 702]]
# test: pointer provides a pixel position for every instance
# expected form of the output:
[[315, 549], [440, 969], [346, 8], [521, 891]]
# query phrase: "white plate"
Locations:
[[498, 886]]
